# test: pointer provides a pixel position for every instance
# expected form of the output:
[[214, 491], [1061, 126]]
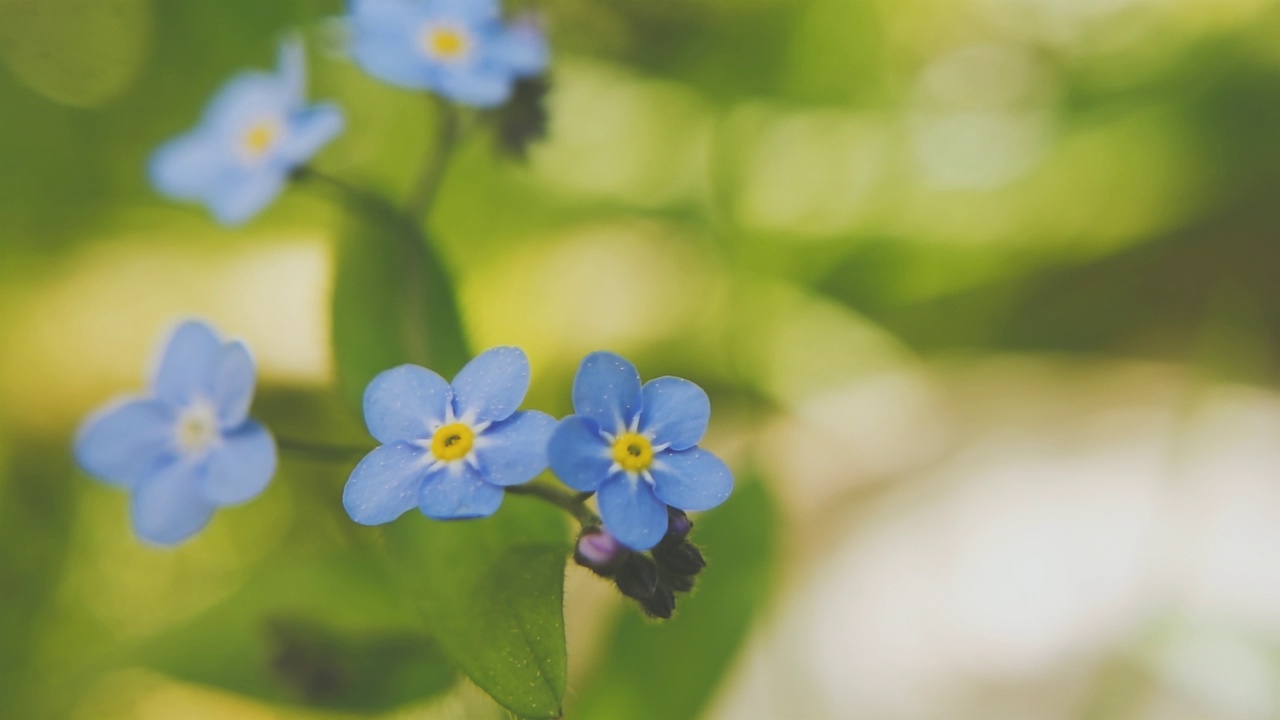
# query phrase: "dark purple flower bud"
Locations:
[[680, 559], [599, 551], [678, 524], [661, 604], [637, 577], [679, 583]]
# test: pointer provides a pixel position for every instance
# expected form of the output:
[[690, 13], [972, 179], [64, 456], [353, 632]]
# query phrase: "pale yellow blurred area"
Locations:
[[90, 326]]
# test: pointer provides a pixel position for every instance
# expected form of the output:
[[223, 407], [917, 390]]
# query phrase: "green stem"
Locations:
[[321, 450], [448, 131], [571, 502]]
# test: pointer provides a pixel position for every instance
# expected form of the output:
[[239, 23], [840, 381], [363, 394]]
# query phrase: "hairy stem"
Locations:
[[573, 503], [321, 450]]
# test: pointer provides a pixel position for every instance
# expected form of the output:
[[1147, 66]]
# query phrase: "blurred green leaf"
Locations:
[[330, 634], [393, 301], [492, 592], [36, 512], [669, 670]]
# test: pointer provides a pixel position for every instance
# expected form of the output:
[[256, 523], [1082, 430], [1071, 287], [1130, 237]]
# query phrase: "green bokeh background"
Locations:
[[775, 198]]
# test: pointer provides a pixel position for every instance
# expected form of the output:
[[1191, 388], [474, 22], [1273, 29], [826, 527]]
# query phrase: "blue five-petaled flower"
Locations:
[[636, 446], [460, 49], [254, 132], [190, 447], [448, 450]]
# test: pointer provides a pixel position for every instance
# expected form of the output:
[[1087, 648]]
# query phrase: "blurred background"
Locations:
[[984, 291]]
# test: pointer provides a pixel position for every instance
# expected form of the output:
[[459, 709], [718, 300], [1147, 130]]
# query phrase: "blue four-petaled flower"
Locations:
[[636, 446], [448, 450], [460, 49], [190, 446], [256, 131]]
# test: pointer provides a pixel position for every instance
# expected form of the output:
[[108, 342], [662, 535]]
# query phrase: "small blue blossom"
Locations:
[[636, 446], [448, 450], [460, 49], [256, 131], [188, 448]]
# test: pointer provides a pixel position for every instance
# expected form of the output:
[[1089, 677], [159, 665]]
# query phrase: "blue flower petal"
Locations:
[[676, 412], [457, 492], [189, 166], [232, 384], [125, 441], [522, 49], [249, 193], [385, 44], [246, 98], [291, 69], [241, 467], [464, 10], [309, 131], [607, 390], [692, 480], [406, 403], [167, 507], [481, 85], [578, 455], [632, 512], [514, 451], [187, 363], [492, 385], [386, 14], [385, 484]]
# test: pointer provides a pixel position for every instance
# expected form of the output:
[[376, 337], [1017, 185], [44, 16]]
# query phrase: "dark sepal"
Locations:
[[682, 558], [662, 603], [678, 583], [637, 577], [523, 119]]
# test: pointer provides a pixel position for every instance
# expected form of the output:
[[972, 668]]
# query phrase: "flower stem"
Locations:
[[345, 190], [573, 503], [321, 450], [448, 130]]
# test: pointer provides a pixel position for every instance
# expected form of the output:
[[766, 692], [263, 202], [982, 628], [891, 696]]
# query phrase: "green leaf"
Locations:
[[37, 516], [393, 300], [492, 593], [670, 669], [332, 634]]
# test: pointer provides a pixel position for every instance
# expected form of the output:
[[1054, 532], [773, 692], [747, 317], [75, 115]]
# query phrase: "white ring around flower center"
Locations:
[[197, 427]]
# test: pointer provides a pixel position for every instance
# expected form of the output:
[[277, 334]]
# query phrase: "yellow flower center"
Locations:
[[197, 427], [633, 452], [445, 43], [260, 137], [452, 442]]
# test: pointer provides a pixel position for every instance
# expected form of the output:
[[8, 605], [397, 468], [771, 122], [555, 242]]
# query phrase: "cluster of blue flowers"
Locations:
[[259, 129], [451, 450], [448, 449]]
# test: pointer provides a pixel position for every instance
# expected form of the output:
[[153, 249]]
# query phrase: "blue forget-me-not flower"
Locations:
[[636, 446], [460, 49], [189, 447], [448, 450], [256, 130]]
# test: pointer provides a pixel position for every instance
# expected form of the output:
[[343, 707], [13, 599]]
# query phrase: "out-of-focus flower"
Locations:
[[256, 131], [190, 447], [460, 49], [448, 450], [637, 447]]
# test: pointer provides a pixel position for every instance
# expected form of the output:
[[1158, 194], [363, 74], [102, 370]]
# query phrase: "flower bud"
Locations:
[[662, 603], [678, 583], [599, 551], [680, 559], [678, 525], [637, 577]]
